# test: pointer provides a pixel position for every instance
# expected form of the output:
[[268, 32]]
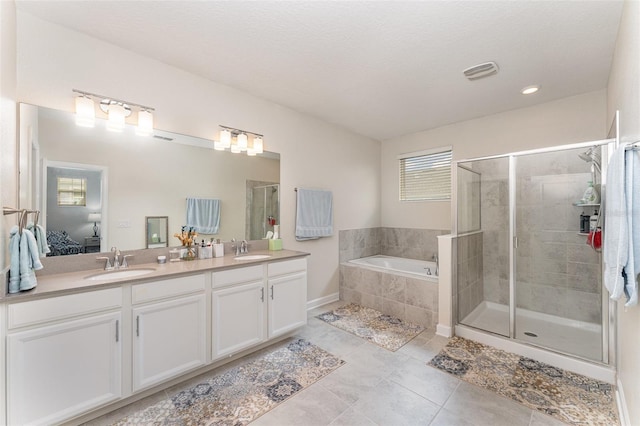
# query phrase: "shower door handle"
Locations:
[[515, 242]]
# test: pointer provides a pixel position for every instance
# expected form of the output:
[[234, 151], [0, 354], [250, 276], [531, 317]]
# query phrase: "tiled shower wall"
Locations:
[[470, 273]]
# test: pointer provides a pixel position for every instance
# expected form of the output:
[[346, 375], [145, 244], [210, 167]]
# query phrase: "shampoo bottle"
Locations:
[[591, 196]]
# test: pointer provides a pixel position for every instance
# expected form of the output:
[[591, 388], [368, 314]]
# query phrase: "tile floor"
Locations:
[[379, 387]]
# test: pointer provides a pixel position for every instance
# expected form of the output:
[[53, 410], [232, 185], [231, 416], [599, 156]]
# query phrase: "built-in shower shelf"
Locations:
[[586, 205]]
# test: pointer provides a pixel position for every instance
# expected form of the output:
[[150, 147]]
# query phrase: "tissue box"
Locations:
[[275, 244], [218, 250]]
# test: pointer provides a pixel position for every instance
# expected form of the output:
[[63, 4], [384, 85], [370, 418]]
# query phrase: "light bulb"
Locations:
[[225, 138], [258, 145], [242, 141], [85, 112], [145, 123], [115, 123]]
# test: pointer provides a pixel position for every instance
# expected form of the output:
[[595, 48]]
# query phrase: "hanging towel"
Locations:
[[632, 193], [41, 239], [25, 259], [29, 260], [616, 235], [314, 215], [14, 265], [203, 215]]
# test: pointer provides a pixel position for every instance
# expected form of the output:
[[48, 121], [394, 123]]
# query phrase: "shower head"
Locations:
[[591, 156]]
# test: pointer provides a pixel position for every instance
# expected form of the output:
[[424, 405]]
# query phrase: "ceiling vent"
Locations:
[[479, 71]]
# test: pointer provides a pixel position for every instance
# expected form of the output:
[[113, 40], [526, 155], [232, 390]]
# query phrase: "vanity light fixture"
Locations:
[[530, 90], [243, 141], [239, 141], [145, 123], [85, 111], [116, 109]]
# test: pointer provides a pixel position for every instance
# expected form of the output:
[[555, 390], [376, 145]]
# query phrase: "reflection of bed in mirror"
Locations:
[[142, 176], [61, 244]]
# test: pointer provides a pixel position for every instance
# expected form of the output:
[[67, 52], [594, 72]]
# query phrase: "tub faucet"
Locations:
[[435, 259]]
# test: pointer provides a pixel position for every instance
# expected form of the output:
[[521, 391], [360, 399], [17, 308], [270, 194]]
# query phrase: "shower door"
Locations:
[[482, 253], [558, 287]]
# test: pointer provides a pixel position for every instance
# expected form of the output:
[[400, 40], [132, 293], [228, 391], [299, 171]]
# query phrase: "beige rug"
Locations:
[[567, 396], [244, 393], [383, 330]]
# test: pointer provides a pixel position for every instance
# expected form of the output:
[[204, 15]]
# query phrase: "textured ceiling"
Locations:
[[380, 69]]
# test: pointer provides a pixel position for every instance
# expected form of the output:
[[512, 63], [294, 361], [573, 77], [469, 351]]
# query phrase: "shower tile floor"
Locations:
[[379, 387], [572, 337]]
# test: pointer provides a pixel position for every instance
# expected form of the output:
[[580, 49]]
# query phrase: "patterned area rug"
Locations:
[[244, 393], [567, 396], [383, 330]]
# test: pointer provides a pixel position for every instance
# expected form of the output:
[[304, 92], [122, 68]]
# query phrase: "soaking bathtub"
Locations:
[[403, 288], [411, 267]]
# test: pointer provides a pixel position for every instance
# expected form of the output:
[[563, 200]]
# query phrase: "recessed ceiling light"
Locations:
[[529, 90]]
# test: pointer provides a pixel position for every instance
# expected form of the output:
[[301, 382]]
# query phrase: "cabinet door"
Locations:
[[58, 371], [168, 339], [237, 318], [287, 303]]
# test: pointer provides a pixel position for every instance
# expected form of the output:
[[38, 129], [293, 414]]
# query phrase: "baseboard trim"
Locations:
[[444, 330], [312, 304], [623, 410]]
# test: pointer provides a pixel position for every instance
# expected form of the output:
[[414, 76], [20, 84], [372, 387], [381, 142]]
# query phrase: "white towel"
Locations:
[[632, 268], [616, 231], [314, 215], [203, 215]]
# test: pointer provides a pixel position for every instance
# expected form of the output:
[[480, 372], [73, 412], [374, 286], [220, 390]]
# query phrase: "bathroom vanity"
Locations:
[[79, 344]]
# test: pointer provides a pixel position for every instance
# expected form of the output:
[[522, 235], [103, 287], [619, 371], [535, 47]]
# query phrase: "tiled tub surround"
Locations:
[[413, 300], [410, 299], [409, 243]]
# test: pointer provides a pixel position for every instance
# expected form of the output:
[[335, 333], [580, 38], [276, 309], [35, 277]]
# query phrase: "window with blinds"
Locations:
[[72, 191], [425, 175]]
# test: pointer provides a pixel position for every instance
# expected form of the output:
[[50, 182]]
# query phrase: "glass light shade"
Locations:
[[85, 112], [225, 138], [243, 141], [251, 152], [258, 145], [235, 148], [145, 123], [218, 146], [115, 123]]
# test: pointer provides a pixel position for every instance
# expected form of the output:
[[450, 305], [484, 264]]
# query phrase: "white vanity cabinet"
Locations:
[[169, 329], [237, 310], [64, 356], [287, 287]]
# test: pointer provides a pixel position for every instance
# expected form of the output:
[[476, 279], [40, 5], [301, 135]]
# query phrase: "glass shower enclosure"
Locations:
[[263, 210], [523, 267]]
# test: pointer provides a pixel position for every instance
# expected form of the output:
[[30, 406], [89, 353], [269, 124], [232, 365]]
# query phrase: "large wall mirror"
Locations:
[[85, 178]]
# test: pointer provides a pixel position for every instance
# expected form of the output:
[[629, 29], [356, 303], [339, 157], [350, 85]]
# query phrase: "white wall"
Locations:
[[624, 95], [8, 165], [570, 120], [53, 60]]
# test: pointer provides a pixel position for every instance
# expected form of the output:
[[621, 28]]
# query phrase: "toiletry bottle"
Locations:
[[593, 221], [591, 195], [584, 223]]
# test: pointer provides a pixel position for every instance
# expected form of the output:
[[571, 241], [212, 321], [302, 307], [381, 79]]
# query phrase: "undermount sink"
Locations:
[[119, 274], [253, 257]]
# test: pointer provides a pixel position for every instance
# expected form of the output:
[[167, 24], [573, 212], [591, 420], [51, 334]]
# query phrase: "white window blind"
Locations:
[[425, 175], [72, 191]]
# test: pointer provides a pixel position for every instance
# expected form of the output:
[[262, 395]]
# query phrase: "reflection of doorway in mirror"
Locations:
[[70, 221], [263, 208], [157, 231]]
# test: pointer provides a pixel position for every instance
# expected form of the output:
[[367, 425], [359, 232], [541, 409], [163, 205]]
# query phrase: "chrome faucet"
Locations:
[[435, 259], [116, 261], [244, 247]]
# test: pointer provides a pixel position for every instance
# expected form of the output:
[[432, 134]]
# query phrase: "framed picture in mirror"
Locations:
[[157, 231]]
